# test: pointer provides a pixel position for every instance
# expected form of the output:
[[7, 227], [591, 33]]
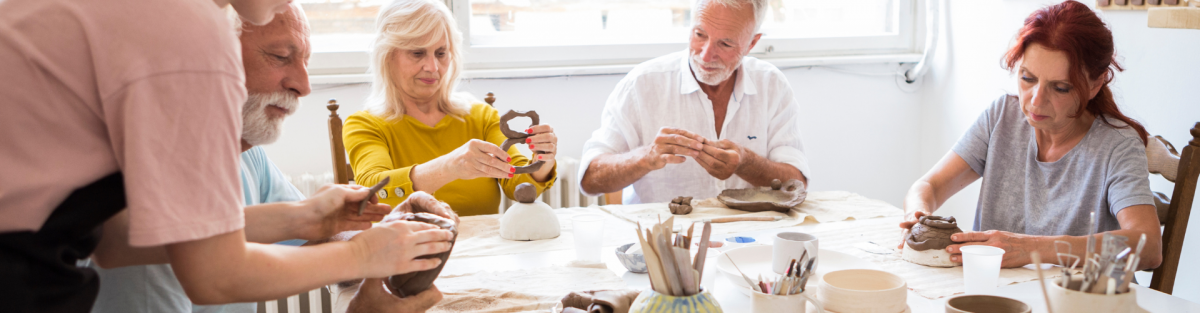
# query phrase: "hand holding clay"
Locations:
[[1017, 247], [543, 143], [671, 145], [393, 247], [423, 202], [909, 220], [927, 242], [720, 158], [374, 296], [334, 209], [475, 159]]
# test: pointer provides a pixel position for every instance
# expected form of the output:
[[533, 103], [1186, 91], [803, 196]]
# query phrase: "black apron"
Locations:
[[37, 269]]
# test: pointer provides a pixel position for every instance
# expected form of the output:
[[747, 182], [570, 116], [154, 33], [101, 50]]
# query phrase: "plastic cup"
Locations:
[[981, 268], [589, 234]]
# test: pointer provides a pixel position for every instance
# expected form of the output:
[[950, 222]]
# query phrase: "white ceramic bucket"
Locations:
[[1063, 300], [765, 303], [861, 290]]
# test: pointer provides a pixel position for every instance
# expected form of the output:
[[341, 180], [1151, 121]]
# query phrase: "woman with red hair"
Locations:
[[1052, 154]]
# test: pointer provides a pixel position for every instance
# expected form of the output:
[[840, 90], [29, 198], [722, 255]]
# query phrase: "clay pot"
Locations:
[[780, 197], [1067, 301], [986, 303], [861, 290], [927, 241], [650, 301], [409, 284]]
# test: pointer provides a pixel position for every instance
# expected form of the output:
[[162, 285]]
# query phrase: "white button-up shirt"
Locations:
[[762, 116]]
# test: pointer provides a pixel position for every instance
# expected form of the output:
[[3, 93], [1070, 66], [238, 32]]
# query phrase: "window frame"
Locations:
[[519, 61]]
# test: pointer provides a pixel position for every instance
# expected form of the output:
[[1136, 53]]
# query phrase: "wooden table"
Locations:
[[733, 301]]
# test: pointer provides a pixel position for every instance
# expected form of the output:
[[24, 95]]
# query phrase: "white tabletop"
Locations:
[[732, 300]]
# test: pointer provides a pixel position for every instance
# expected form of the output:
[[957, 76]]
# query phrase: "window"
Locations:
[[502, 34]]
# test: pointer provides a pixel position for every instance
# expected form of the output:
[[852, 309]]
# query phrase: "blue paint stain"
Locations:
[[740, 239], [752, 137]]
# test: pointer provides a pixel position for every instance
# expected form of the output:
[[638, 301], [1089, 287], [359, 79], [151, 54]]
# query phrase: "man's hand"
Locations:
[[423, 202], [720, 158], [334, 209], [1017, 247], [374, 296], [670, 146], [392, 248]]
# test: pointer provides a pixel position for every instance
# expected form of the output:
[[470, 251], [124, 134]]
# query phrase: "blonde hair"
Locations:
[[414, 24]]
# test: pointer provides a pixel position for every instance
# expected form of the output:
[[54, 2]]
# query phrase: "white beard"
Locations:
[[257, 127], [711, 78]]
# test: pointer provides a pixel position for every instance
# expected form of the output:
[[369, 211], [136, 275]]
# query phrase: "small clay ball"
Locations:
[[526, 193], [776, 184], [681, 205]]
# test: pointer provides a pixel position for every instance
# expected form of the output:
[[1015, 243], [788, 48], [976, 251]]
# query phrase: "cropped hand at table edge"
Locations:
[[374, 296]]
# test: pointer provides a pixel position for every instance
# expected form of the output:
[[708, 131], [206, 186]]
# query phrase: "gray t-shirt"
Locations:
[[1104, 173]]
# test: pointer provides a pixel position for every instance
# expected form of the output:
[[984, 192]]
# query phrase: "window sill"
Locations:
[[540, 72]]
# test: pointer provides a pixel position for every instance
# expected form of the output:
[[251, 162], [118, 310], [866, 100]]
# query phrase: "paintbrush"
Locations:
[[1037, 264], [362, 205]]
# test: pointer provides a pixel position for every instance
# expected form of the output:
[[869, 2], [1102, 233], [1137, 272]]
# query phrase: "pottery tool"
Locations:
[[362, 205], [753, 286], [654, 268], [742, 219], [1037, 264], [702, 253]]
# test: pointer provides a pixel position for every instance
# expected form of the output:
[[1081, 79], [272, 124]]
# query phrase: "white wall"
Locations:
[[1156, 89], [863, 132]]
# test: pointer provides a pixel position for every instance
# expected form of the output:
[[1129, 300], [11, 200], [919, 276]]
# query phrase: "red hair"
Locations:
[[1072, 27]]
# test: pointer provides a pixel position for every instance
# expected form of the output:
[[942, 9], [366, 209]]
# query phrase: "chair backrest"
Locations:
[[342, 172], [1178, 213]]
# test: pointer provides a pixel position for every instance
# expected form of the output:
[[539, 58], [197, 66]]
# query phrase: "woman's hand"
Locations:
[[334, 209], [544, 144], [374, 296], [477, 158], [392, 248], [1017, 247], [422, 202], [910, 219]]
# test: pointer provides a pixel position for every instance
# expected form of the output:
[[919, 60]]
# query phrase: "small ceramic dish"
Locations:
[[863, 290], [633, 262]]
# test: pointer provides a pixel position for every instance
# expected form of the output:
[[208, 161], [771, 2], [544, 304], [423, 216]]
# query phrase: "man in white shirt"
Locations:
[[734, 115]]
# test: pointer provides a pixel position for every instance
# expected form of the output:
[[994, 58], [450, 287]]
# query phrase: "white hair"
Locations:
[[760, 9], [413, 24]]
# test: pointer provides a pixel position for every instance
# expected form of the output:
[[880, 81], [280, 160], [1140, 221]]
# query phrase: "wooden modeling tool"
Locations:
[[362, 205]]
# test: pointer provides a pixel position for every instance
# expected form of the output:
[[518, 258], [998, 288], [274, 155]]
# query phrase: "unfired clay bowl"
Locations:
[[409, 284], [862, 290], [780, 197], [1065, 300]]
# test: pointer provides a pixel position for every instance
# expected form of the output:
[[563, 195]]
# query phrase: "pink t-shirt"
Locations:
[[150, 88]]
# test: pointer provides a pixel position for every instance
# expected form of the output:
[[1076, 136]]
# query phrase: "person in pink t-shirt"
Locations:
[[115, 104]]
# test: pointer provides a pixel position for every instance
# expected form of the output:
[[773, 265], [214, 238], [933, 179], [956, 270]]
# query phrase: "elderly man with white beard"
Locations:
[[734, 115], [275, 58]]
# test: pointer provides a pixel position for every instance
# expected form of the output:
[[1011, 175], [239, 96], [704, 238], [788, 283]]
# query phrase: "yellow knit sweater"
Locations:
[[381, 148]]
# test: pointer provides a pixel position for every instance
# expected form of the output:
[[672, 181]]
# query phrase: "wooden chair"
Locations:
[[1177, 214], [342, 172]]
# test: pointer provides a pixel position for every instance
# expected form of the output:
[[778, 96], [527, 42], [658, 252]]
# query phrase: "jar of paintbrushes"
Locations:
[[674, 277], [786, 293]]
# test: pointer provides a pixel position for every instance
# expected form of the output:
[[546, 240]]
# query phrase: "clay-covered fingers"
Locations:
[[393, 247], [423, 202]]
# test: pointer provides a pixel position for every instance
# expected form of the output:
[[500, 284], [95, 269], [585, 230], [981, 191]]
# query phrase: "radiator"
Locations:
[[564, 194]]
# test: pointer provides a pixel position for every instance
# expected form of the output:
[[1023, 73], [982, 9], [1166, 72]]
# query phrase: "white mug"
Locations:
[[766, 303], [790, 246]]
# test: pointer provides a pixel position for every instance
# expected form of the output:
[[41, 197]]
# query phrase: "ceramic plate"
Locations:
[[755, 260]]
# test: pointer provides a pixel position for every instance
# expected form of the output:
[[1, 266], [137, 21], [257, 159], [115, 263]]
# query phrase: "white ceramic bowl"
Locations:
[[1067, 301], [863, 290]]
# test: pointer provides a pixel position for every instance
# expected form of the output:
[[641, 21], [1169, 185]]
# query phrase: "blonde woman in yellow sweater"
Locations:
[[422, 135]]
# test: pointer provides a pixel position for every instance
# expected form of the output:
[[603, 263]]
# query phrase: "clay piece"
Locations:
[[780, 197], [516, 137], [529, 219], [681, 205], [409, 284], [927, 240]]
